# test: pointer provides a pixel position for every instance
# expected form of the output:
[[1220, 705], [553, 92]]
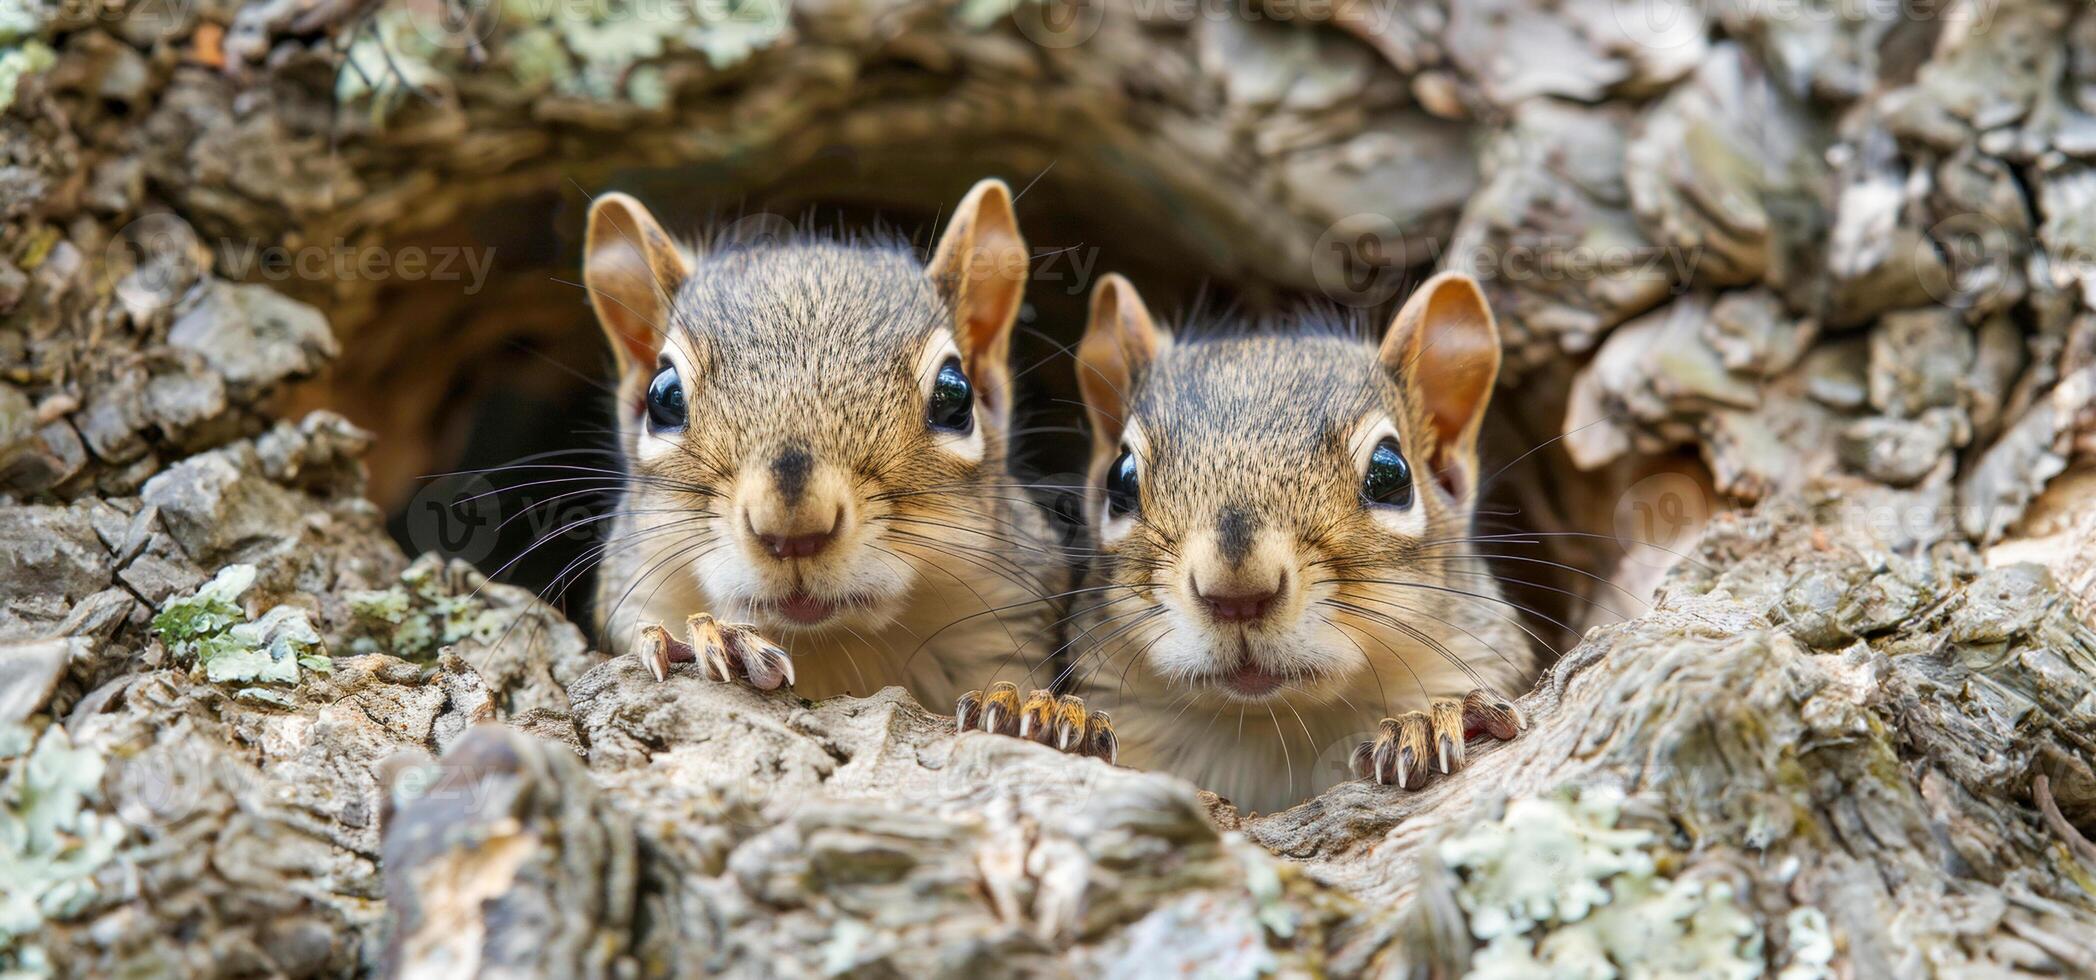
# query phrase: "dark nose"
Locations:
[[1244, 608], [797, 545]]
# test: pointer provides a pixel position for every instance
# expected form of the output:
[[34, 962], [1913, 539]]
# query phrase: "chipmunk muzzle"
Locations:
[[799, 521]]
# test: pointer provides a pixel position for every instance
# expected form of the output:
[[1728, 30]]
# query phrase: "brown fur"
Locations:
[[1259, 438], [815, 352]]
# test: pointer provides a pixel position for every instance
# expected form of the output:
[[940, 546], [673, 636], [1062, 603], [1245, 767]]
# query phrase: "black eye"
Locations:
[[666, 408], [1122, 486], [953, 400], [1389, 479]]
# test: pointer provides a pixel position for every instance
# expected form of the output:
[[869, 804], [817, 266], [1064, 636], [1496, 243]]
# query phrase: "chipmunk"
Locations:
[[815, 436], [1284, 556]]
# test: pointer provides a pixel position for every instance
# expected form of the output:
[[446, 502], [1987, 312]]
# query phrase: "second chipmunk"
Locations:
[[1285, 589]]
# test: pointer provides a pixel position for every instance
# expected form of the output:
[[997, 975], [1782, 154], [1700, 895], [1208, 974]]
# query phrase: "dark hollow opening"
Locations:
[[527, 378]]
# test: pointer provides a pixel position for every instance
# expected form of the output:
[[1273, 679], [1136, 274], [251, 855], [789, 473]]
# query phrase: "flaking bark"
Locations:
[[1825, 278]]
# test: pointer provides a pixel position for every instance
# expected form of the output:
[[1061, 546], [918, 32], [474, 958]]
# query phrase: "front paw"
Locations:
[[1061, 723], [1411, 747], [726, 652]]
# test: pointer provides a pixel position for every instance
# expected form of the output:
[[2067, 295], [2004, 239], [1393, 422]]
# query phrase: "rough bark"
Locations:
[[1841, 260]]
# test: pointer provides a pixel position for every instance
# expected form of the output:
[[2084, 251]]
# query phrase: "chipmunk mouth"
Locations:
[[1248, 681], [1251, 682], [804, 609]]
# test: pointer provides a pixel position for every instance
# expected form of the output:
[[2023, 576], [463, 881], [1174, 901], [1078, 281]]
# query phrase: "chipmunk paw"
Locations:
[[726, 652], [1411, 747], [1061, 723]]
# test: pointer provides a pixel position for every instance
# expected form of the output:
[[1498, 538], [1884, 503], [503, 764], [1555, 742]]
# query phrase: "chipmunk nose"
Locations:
[[1242, 607], [1233, 578], [793, 507], [795, 532]]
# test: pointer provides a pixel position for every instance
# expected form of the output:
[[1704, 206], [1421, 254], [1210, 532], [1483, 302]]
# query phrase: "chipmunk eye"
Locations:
[[666, 408], [953, 400], [1122, 486], [1389, 478]]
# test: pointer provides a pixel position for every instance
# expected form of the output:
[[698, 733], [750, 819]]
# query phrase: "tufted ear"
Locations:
[[980, 268], [1443, 349], [1120, 341], [631, 269]]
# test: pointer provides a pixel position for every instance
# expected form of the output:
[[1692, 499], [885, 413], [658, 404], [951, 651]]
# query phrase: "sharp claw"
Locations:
[[1099, 738], [1025, 724], [653, 651], [1064, 737], [1447, 749], [764, 675], [767, 663], [990, 718]]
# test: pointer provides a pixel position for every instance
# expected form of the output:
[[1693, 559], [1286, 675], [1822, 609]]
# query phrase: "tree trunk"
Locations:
[[1801, 349]]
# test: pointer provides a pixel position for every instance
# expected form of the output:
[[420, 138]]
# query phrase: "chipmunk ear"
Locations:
[[1120, 341], [1443, 349], [980, 268], [631, 269]]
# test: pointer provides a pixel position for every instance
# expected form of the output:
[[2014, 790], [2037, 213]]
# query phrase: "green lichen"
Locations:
[[607, 39], [18, 20], [51, 840], [19, 62], [210, 630], [420, 616], [1811, 945], [1556, 889], [595, 49], [389, 61], [979, 14]]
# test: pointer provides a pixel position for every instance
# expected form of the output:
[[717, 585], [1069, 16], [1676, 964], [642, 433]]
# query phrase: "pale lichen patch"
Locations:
[[211, 630], [51, 841], [1556, 889]]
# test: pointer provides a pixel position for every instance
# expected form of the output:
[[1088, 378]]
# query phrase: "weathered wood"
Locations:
[[1817, 281]]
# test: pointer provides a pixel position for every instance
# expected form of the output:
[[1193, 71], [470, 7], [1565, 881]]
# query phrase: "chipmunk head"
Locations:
[[799, 416], [1271, 508]]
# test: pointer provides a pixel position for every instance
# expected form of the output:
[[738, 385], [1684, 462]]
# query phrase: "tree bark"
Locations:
[[1800, 346]]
